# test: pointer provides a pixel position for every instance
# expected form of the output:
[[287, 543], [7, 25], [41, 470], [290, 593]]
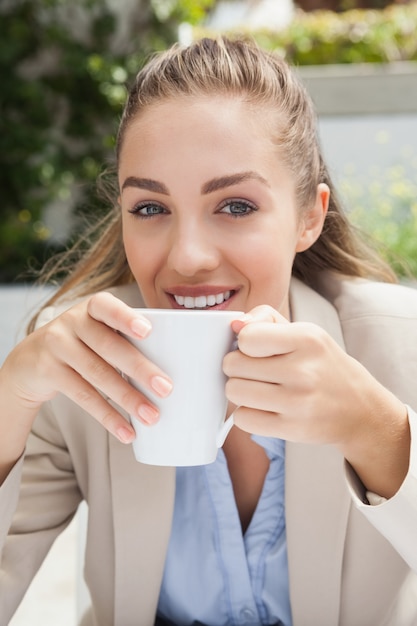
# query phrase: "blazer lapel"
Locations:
[[317, 500], [143, 500]]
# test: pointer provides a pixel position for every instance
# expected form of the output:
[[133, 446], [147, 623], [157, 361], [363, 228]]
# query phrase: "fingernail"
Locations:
[[148, 413], [125, 435], [141, 326], [162, 386]]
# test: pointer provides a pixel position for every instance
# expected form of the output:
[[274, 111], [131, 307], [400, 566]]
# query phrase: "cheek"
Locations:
[[130, 249], [267, 252], [139, 256], [268, 267]]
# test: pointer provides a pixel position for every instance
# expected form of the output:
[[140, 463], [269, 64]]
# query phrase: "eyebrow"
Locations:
[[215, 184], [228, 181], [145, 183]]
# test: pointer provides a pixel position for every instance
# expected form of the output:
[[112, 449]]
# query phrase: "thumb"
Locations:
[[261, 313]]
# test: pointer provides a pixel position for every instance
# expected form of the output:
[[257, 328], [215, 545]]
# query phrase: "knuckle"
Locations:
[[97, 370], [306, 370], [52, 335], [316, 338], [84, 397], [137, 368], [128, 399], [308, 378], [108, 341], [97, 301], [70, 317], [108, 418]]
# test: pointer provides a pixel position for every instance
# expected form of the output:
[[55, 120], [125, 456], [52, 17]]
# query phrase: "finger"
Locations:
[[265, 424], [89, 399], [261, 313], [282, 425], [256, 395], [272, 369], [121, 354], [261, 339], [264, 339], [255, 329], [99, 374], [106, 308]]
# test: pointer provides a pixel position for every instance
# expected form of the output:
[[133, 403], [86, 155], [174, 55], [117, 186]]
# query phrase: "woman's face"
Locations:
[[208, 208]]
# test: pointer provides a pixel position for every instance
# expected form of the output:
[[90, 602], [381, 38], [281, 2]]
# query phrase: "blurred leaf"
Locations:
[[386, 209], [355, 36], [63, 88]]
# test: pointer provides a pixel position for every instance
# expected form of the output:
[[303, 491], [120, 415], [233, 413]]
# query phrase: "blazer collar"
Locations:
[[317, 499]]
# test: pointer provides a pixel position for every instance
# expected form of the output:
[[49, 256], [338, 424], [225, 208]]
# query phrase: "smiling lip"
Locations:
[[186, 298]]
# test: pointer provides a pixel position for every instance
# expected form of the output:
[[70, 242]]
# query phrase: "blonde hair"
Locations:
[[234, 68]]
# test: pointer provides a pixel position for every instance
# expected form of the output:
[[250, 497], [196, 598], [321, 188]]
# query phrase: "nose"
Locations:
[[193, 249]]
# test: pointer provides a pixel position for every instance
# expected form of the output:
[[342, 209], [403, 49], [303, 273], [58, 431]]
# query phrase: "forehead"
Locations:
[[216, 123], [185, 143]]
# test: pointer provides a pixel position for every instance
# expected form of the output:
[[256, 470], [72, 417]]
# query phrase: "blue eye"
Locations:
[[147, 210], [237, 208]]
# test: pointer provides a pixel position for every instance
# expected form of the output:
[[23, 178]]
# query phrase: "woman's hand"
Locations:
[[80, 354], [292, 380]]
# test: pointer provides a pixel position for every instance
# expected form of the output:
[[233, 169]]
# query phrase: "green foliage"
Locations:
[[182, 10], [385, 208], [62, 88], [355, 36]]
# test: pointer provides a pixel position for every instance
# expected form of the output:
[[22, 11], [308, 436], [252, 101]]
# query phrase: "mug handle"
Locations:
[[224, 431]]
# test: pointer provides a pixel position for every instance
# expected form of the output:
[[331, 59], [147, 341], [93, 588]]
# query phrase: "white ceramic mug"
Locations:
[[188, 346]]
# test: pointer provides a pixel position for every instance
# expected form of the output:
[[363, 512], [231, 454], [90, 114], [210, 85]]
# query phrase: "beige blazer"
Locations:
[[342, 570]]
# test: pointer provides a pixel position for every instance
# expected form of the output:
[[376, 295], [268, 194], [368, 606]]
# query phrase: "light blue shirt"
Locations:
[[213, 574]]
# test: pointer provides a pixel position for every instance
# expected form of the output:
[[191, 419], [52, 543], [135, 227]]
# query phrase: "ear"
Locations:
[[311, 223]]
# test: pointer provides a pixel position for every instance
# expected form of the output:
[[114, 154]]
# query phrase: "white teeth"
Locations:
[[201, 302], [189, 302]]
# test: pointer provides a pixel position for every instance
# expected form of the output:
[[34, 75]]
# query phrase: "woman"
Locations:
[[309, 514]]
